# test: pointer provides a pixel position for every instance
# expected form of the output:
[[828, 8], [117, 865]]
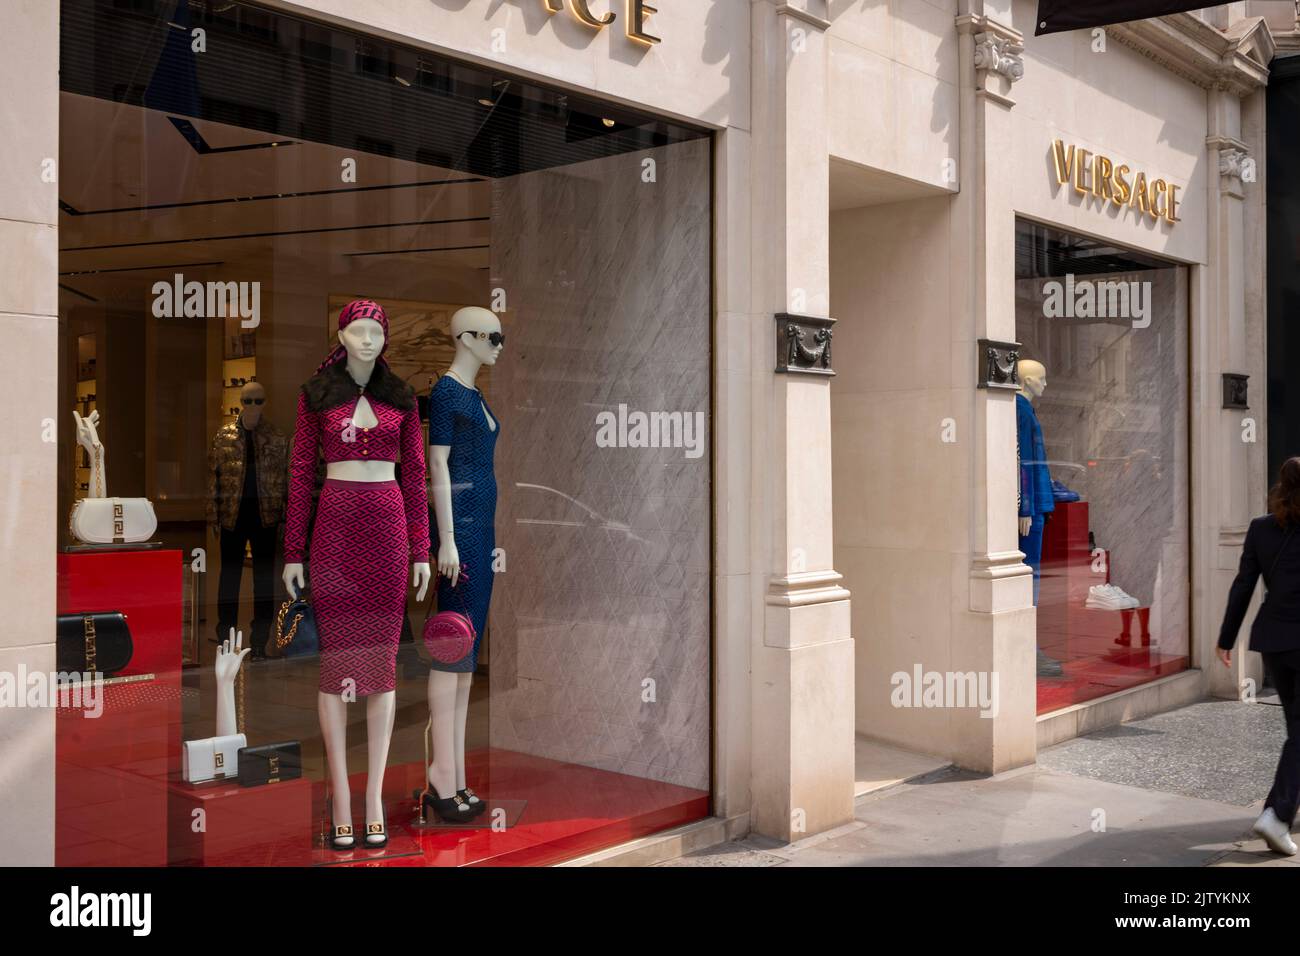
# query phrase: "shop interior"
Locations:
[[309, 167]]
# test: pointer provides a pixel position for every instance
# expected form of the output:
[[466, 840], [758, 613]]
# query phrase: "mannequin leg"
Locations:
[[442, 709], [463, 682], [380, 711], [333, 714]]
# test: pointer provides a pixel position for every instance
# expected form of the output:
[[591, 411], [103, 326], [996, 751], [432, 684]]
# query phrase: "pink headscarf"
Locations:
[[357, 309]]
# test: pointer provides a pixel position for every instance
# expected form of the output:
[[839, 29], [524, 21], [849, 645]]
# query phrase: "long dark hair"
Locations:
[[1284, 497]]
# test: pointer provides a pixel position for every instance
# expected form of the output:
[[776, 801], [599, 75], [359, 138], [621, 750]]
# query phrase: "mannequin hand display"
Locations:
[[423, 572], [230, 655], [293, 579], [1025, 525], [449, 560], [87, 433]]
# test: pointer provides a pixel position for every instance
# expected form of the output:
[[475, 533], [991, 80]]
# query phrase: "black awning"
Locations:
[[1055, 16]]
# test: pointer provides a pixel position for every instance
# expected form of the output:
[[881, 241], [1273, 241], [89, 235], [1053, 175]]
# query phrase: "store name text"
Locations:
[[638, 11], [1098, 175]]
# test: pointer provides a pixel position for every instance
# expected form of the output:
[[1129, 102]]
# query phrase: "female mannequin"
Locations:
[[367, 528], [462, 437]]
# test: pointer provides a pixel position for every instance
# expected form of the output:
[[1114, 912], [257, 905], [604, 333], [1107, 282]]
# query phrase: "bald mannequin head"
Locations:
[[470, 327], [250, 413], [1033, 378]]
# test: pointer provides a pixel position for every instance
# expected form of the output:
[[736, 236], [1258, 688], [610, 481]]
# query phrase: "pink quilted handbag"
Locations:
[[449, 635]]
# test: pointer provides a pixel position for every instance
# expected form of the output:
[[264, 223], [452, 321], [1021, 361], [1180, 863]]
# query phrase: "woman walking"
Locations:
[[1272, 548]]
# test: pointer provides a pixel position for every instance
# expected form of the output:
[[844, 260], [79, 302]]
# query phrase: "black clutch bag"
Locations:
[[270, 763], [95, 642]]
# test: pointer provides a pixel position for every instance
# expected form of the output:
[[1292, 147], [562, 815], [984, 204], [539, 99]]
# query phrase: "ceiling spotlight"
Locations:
[[484, 101], [402, 80], [609, 123]]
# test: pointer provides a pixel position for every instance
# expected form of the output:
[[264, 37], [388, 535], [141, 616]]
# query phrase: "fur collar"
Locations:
[[334, 386]]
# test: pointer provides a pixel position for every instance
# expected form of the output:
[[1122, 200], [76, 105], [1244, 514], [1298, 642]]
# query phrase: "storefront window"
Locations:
[[1102, 436], [232, 182]]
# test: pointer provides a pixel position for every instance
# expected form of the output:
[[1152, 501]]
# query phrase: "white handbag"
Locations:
[[211, 758], [112, 520]]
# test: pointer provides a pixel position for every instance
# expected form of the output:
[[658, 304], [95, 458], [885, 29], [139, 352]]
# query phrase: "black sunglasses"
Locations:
[[495, 338], [252, 401]]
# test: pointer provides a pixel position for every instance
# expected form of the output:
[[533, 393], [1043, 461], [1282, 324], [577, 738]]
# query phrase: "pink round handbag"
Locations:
[[449, 635]]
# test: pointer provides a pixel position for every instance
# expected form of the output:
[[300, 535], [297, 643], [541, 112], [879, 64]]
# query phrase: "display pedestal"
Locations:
[[110, 791], [223, 824]]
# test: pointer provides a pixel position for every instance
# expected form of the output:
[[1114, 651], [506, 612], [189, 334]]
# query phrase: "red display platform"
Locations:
[[111, 770], [223, 824], [567, 810], [1081, 638]]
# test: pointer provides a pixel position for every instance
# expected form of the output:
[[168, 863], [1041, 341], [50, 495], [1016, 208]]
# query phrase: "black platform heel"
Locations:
[[379, 829], [452, 810]]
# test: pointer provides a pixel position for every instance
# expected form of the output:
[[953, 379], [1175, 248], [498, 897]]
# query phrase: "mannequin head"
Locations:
[[1033, 378], [362, 339], [472, 328], [252, 400]]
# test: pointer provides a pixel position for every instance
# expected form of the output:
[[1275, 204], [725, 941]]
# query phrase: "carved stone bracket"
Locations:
[[999, 54], [1235, 393], [997, 365], [1235, 164], [803, 343]]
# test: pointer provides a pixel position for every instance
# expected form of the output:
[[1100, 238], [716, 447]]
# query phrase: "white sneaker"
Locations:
[[1107, 597], [1275, 833], [1123, 595]]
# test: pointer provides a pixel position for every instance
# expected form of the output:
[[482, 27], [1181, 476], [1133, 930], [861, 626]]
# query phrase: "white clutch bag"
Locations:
[[211, 758], [113, 520]]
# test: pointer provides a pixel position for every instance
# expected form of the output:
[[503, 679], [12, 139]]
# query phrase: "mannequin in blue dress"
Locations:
[[462, 437]]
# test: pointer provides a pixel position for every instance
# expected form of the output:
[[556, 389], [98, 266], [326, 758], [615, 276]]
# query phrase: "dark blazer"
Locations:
[[1277, 625]]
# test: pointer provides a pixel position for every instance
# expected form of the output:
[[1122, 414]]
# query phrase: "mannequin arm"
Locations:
[[230, 655], [448, 557]]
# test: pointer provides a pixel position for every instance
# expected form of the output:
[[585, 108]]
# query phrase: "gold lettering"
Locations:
[[1063, 161], [1080, 167], [1122, 190], [1171, 205], [1157, 198], [1140, 198], [637, 12], [583, 13], [1101, 170]]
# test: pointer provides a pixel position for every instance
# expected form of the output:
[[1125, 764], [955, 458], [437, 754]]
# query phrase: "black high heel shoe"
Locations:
[[453, 810], [476, 804], [379, 829]]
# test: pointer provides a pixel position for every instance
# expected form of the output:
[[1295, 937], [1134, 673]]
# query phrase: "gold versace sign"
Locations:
[[637, 12], [1100, 176]]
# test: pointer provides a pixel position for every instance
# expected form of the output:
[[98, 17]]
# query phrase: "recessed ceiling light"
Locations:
[[402, 80], [484, 101], [607, 121]]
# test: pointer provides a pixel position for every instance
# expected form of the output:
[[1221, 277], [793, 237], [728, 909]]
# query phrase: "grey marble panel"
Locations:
[[607, 284]]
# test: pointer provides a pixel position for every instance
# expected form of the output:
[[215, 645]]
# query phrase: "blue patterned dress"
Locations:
[[456, 420]]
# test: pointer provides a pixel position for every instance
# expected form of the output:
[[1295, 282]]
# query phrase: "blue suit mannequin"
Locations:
[[1035, 492]]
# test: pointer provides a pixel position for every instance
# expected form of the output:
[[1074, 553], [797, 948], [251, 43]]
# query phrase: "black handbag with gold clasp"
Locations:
[[270, 763], [98, 642]]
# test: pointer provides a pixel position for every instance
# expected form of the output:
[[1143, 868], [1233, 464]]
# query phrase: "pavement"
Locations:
[[1177, 789]]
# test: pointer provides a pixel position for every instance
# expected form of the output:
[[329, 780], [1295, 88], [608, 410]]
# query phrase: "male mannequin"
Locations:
[[247, 478], [1035, 497], [462, 436]]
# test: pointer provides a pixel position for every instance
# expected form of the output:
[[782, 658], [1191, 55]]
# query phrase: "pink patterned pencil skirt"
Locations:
[[359, 560]]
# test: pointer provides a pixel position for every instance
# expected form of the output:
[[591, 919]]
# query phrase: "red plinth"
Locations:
[[224, 824], [111, 770]]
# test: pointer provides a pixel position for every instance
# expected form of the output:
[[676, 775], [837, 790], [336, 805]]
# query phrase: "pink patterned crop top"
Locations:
[[396, 436]]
